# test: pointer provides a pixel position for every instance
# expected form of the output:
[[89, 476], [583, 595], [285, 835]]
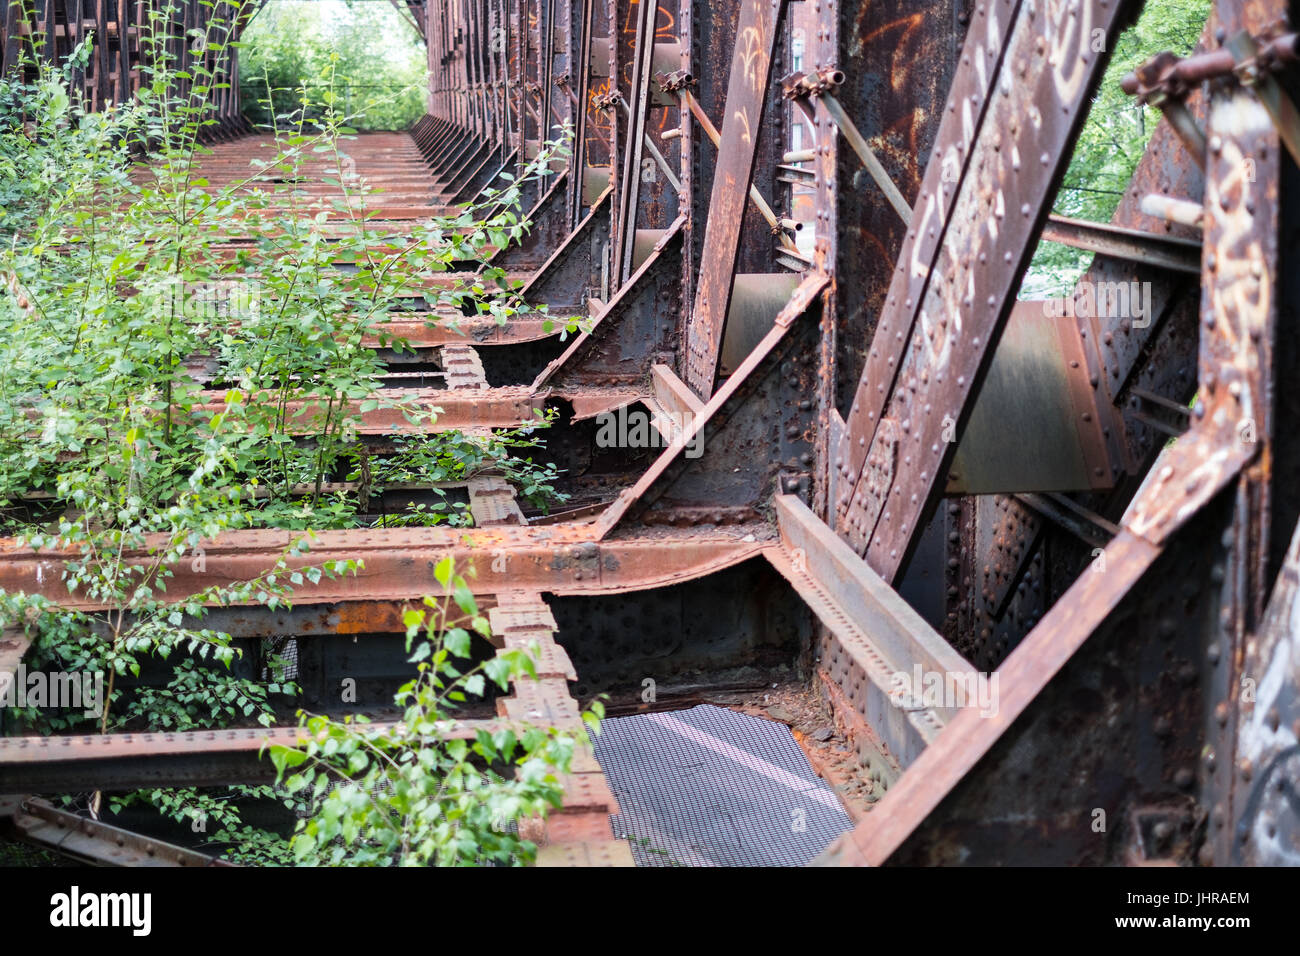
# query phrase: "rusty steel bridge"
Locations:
[[798, 229]]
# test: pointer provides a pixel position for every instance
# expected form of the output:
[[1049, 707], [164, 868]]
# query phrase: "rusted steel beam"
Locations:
[[40, 824], [573, 269], [548, 227], [747, 92], [629, 333], [450, 410], [418, 332], [935, 348], [1002, 557], [127, 761], [874, 635], [636, 105], [713, 472], [1004, 560], [1237, 417], [522, 621], [1200, 468], [942, 765], [898, 59], [1134, 245], [398, 563], [591, 80], [1089, 527], [1127, 747], [961, 117], [1263, 827], [9, 53]]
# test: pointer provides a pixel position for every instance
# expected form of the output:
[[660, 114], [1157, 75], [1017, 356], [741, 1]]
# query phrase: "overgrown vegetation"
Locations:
[[362, 59], [427, 790], [1113, 139], [180, 359]]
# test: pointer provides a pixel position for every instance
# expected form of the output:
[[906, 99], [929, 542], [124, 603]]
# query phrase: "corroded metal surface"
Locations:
[[741, 131], [1097, 508]]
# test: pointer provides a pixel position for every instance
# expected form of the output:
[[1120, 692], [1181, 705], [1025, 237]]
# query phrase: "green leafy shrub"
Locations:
[[306, 57], [417, 793], [157, 391]]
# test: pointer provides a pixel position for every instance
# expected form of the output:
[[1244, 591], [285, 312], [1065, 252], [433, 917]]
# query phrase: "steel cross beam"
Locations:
[[935, 341], [747, 92], [629, 183], [1212, 462], [397, 564], [41, 824]]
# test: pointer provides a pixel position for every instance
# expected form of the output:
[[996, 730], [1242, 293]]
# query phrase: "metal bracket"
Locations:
[[798, 86]]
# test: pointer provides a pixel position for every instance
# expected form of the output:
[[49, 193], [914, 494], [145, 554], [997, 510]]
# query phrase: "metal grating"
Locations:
[[709, 787]]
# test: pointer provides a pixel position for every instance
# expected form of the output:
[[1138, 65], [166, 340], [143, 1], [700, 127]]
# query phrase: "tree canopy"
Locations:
[[364, 59]]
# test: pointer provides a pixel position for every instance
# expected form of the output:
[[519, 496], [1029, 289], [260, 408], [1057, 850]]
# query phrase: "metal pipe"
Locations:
[[799, 156], [1182, 211], [654, 151], [711, 131], [868, 158]]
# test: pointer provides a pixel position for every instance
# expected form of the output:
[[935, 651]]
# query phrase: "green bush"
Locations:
[[156, 392], [416, 793]]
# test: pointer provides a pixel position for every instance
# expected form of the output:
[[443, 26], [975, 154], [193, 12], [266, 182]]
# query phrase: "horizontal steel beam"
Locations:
[[40, 824], [399, 563], [1133, 245], [880, 636]]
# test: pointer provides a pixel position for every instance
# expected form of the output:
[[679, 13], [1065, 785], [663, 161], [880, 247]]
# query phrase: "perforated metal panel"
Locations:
[[709, 787]]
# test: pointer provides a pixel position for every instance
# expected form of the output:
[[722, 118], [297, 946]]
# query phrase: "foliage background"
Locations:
[[1112, 140], [374, 59]]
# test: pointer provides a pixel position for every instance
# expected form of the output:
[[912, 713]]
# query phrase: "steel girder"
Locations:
[[51, 31], [852, 394]]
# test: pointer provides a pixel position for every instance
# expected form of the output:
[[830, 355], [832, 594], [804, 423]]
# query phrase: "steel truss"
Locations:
[[904, 467]]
